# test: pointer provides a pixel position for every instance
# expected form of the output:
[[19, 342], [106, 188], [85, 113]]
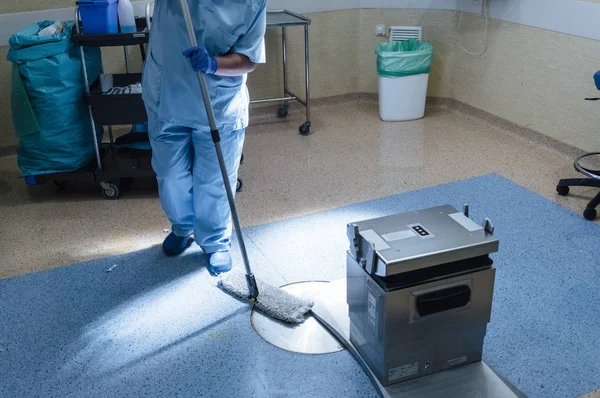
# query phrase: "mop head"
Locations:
[[272, 301]]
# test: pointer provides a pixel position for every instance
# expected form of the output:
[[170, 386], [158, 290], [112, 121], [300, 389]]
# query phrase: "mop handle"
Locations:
[[214, 132]]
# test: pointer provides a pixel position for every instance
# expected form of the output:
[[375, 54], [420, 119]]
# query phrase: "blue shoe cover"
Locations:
[[175, 245], [219, 263]]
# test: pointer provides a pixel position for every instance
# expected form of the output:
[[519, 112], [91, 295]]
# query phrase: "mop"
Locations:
[[272, 301]]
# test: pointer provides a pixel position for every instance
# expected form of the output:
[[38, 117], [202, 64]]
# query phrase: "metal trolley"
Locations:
[[285, 19], [114, 165]]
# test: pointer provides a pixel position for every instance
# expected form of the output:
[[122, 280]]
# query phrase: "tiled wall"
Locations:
[[535, 78], [333, 58]]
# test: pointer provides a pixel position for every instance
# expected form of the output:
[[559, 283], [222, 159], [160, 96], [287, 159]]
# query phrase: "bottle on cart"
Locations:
[[126, 17]]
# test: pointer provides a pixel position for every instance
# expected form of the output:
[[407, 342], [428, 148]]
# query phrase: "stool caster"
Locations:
[[590, 214], [562, 191]]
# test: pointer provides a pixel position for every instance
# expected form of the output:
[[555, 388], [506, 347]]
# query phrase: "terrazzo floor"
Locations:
[[351, 156], [142, 324]]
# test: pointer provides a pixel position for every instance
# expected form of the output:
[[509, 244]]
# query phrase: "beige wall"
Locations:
[[333, 58], [10, 6], [438, 28], [345, 61], [533, 77]]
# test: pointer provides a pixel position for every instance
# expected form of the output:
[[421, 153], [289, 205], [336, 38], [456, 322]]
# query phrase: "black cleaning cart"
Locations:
[[117, 162]]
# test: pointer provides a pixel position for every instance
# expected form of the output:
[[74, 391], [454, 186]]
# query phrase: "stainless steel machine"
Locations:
[[419, 291]]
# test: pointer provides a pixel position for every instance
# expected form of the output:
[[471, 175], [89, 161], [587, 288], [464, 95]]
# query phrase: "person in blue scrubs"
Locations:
[[230, 36]]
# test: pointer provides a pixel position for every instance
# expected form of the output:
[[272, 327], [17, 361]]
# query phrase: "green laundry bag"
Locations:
[[50, 118], [403, 58]]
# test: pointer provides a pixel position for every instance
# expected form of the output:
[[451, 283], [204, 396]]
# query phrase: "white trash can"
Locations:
[[403, 69], [402, 98]]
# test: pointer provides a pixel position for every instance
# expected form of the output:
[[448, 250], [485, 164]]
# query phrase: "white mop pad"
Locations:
[[272, 301]]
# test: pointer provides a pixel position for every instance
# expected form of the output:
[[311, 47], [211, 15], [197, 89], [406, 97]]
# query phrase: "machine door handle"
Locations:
[[443, 300]]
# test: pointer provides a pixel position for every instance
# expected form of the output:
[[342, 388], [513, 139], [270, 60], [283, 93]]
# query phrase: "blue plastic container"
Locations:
[[99, 16]]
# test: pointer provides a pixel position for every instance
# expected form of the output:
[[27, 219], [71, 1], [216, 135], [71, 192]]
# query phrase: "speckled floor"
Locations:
[[158, 326], [351, 156]]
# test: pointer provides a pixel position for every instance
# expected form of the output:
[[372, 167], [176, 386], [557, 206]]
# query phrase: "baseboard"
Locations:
[[266, 113], [533, 136]]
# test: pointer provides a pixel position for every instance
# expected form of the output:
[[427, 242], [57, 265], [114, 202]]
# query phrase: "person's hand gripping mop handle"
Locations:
[[252, 287]]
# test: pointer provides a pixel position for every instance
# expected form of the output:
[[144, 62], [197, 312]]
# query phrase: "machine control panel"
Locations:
[[420, 230]]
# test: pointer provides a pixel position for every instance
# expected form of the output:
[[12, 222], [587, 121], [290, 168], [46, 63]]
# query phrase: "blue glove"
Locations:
[[201, 61]]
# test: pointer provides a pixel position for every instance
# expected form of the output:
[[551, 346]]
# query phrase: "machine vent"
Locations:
[[401, 33]]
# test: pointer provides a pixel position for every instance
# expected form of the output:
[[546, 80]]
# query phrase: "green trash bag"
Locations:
[[49, 115], [403, 58]]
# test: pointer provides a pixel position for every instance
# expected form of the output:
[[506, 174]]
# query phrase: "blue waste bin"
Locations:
[[99, 16]]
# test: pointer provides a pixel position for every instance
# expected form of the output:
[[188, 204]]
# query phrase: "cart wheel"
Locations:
[[590, 214], [60, 184], [282, 112], [562, 191], [239, 185], [110, 191], [305, 128]]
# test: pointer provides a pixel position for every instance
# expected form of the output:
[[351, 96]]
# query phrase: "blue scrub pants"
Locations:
[[190, 184]]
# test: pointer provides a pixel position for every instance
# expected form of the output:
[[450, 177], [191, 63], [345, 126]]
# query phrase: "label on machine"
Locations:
[[371, 236], [404, 371], [399, 235], [372, 311]]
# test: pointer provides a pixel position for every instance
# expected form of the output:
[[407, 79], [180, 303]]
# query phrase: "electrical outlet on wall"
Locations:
[[380, 30]]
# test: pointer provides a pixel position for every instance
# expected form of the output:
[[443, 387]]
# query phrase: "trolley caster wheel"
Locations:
[[110, 191], [590, 214], [304, 129], [282, 112], [60, 184], [562, 191], [239, 185]]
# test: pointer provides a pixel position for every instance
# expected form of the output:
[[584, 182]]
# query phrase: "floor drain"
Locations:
[[309, 337]]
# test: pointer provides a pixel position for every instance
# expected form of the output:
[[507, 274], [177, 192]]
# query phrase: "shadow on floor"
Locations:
[[66, 306], [151, 326]]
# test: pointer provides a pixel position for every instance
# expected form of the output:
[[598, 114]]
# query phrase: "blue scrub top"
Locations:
[[170, 85]]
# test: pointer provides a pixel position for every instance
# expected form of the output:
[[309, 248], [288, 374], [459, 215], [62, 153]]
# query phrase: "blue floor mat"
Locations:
[[158, 326]]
